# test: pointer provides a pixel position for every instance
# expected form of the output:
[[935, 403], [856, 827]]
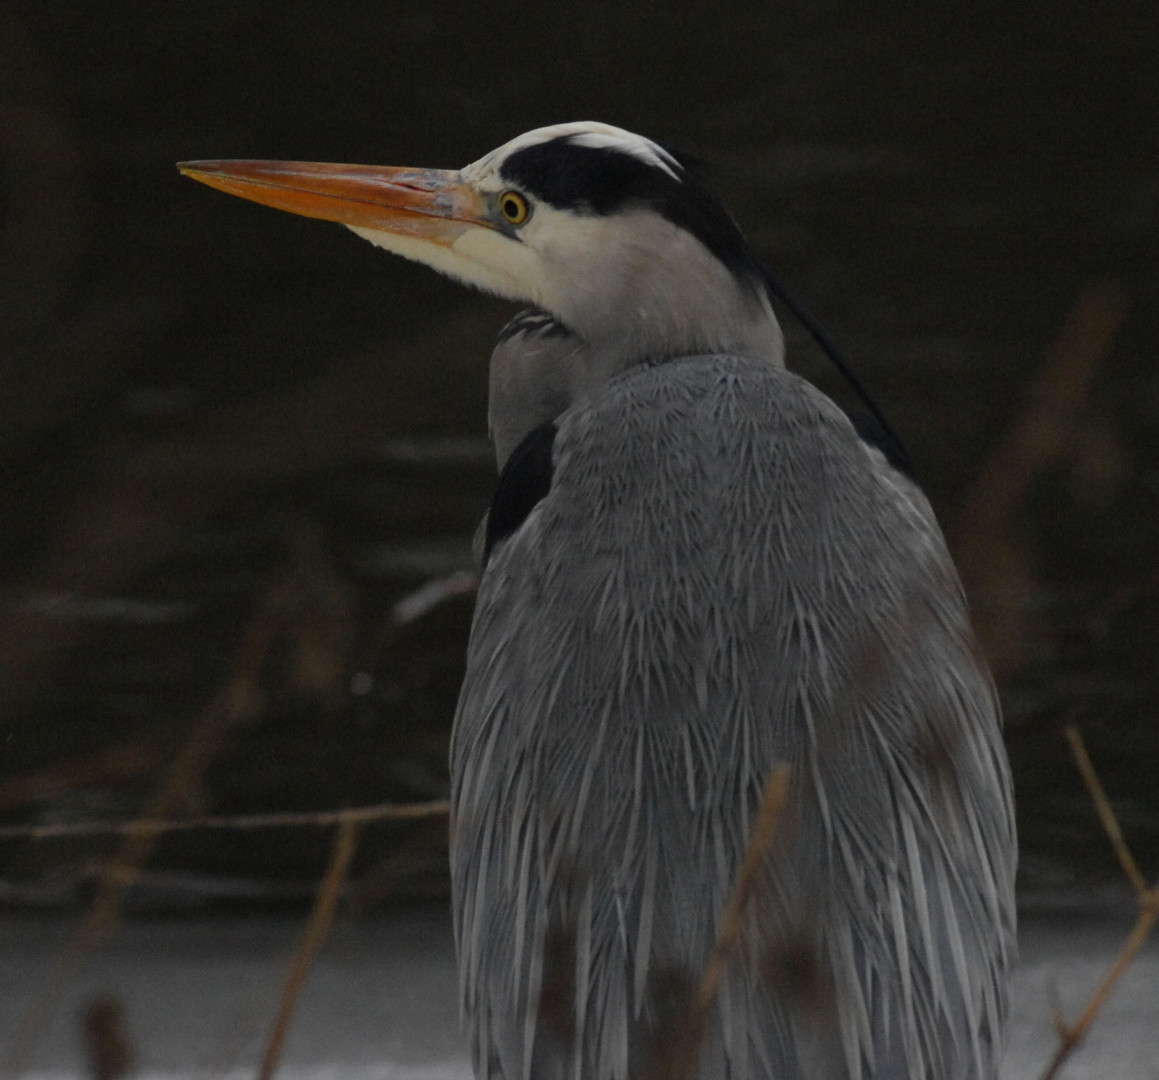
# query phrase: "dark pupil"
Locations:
[[511, 208]]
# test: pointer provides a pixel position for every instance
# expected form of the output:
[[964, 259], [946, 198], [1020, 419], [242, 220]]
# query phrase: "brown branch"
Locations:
[[317, 818], [430, 595], [238, 700], [413, 607], [106, 1038], [1071, 1035], [1043, 430], [764, 831], [321, 919], [994, 564], [1106, 814]]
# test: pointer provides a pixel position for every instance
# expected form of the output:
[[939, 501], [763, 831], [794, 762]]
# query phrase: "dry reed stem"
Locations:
[[1071, 1035], [431, 594], [1106, 814], [106, 1038], [239, 700], [321, 919], [869, 665], [413, 607], [240, 822], [1042, 431], [992, 563], [769, 814], [236, 701]]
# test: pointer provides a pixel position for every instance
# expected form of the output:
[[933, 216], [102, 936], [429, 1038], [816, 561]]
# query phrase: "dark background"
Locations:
[[231, 440]]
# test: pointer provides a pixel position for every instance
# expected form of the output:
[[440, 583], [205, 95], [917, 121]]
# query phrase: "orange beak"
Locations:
[[435, 205]]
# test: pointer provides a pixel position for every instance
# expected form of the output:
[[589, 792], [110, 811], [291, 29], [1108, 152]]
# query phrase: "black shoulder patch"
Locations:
[[525, 479], [881, 438]]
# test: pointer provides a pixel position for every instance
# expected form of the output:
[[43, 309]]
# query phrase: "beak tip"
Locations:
[[192, 169]]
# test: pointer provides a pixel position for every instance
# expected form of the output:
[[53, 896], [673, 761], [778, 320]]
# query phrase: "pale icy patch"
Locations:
[[199, 996]]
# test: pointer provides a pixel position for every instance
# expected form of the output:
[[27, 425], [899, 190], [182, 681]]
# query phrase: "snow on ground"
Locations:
[[199, 996]]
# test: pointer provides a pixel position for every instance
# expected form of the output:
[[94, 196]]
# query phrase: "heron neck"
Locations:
[[540, 367]]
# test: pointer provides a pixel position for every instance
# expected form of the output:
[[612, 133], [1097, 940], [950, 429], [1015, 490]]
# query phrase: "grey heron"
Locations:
[[696, 571]]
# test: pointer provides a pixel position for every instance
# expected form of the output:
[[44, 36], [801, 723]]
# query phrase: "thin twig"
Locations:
[[769, 814], [413, 607], [106, 1038], [345, 844], [1071, 1035], [992, 561], [317, 818], [427, 597], [1106, 814], [1042, 431], [237, 701]]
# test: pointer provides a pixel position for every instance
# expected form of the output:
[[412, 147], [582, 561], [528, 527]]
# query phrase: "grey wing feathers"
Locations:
[[724, 578]]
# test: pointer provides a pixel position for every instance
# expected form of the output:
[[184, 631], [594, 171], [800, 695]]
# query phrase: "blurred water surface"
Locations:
[[232, 440]]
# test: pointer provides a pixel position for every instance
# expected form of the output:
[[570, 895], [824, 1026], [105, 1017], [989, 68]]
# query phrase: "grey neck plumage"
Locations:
[[540, 368]]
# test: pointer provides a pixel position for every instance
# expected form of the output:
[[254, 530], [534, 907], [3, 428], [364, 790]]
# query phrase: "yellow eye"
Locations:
[[513, 207]]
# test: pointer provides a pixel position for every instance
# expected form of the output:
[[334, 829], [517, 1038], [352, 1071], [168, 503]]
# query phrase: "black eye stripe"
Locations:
[[603, 180]]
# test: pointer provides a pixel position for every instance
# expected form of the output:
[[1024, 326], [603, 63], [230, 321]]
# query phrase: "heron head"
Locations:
[[616, 237]]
